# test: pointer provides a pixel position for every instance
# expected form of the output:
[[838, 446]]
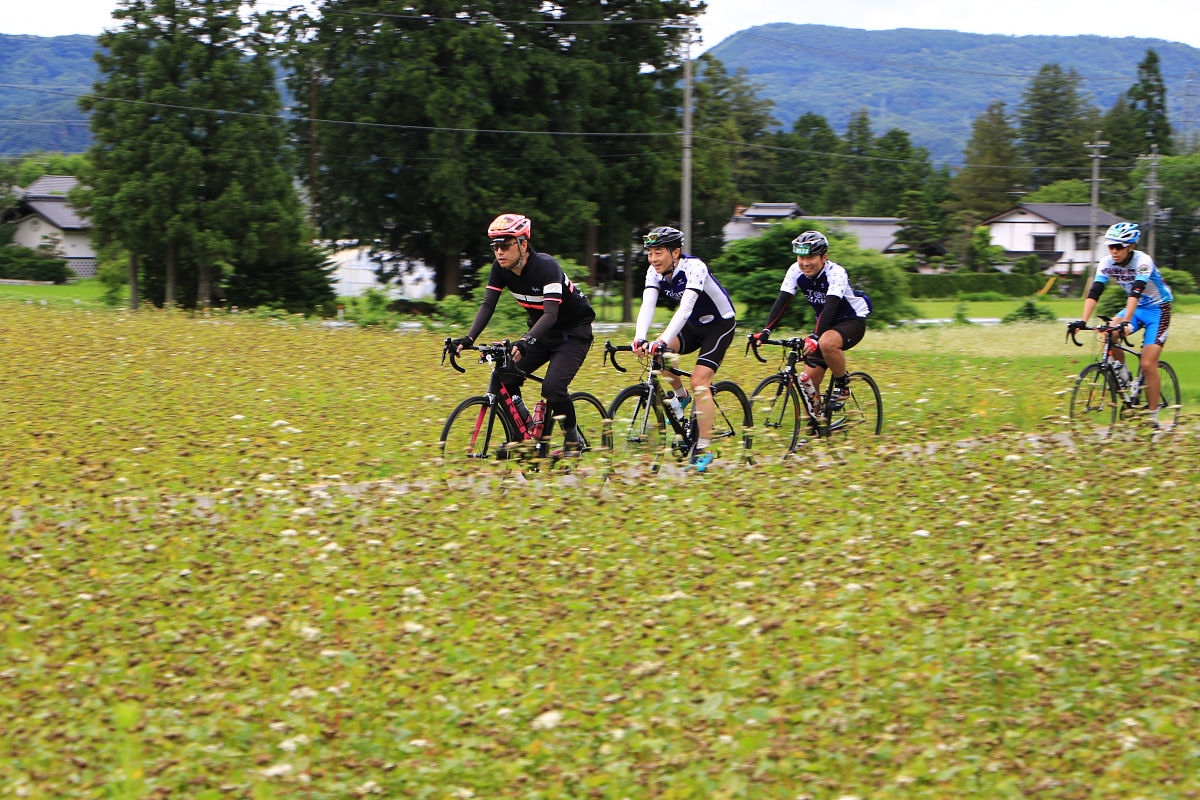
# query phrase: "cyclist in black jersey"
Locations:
[[560, 320]]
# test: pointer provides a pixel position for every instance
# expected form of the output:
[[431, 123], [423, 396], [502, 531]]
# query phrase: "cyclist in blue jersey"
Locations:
[[703, 322], [560, 320], [841, 311], [1148, 306]]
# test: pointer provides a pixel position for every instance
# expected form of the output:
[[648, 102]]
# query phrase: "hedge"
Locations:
[[953, 283]]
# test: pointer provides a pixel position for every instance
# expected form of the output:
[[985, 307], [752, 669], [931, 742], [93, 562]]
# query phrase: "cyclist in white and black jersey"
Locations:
[[841, 311], [703, 322], [560, 320], [1148, 306]]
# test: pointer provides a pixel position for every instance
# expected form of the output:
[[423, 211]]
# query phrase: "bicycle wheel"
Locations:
[[475, 431], [1095, 400], [592, 420], [638, 427], [778, 406], [862, 411], [733, 420], [1169, 405]]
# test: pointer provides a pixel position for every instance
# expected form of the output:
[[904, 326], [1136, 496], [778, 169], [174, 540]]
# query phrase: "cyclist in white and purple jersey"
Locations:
[[703, 322], [1148, 306], [841, 311]]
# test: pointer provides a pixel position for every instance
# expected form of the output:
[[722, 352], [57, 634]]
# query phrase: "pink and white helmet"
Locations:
[[509, 226]]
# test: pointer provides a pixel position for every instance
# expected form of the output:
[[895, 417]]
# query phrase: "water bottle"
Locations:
[[1123, 372], [810, 391], [674, 404], [539, 419], [522, 411]]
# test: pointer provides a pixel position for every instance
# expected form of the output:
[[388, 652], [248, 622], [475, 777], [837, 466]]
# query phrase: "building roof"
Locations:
[[58, 213], [1064, 215], [50, 186], [772, 210]]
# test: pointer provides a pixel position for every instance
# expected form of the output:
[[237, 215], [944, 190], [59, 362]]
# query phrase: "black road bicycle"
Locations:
[[496, 425], [786, 410], [642, 419], [1106, 391]]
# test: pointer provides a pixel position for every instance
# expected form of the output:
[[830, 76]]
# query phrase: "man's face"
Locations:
[[660, 258], [811, 265], [507, 252], [1120, 252]]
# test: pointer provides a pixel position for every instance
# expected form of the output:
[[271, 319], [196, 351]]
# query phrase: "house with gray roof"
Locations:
[[1058, 233], [872, 233], [44, 217]]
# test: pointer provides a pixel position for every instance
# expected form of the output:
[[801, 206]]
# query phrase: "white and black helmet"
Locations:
[[810, 243]]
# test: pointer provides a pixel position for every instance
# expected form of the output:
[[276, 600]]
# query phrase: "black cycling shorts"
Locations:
[[852, 330], [711, 340]]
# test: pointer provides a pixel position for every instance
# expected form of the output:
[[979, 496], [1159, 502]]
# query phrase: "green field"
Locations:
[[233, 567]]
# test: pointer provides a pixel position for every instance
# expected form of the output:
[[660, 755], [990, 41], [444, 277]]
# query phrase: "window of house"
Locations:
[[1083, 241], [1043, 242]]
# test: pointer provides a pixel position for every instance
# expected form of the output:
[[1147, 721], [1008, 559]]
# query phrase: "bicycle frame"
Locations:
[[820, 424], [1108, 344], [497, 394], [653, 383]]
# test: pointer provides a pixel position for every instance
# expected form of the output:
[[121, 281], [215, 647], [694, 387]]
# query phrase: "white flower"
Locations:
[[743, 584], [266, 476], [288, 532], [744, 621], [308, 632], [750, 538], [853, 587], [332, 547], [301, 692], [548, 720], [279, 423], [412, 627], [256, 622], [370, 787], [290, 745], [920, 532], [1012, 457], [276, 770], [414, 593], [237, 417]]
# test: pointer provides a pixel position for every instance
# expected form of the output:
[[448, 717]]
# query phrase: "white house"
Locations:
[[354, 273], [44, 217], [872, 233], [1056, 232]]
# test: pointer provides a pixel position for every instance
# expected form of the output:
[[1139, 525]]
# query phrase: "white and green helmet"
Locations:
[[810, 243]]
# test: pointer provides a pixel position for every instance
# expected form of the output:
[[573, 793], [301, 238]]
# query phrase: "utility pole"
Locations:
[[1152, 186], [1096, 147], [685, 183]]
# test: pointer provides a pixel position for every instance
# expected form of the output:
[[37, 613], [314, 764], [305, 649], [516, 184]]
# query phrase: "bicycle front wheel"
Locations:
[[778, 406], [592, 421], [733, 419], [862, 411], [474, 432], [638, 428], [1095, 399]]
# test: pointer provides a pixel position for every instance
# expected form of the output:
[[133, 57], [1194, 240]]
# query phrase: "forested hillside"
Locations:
[[41, 78], [929, 83], [934, 83]]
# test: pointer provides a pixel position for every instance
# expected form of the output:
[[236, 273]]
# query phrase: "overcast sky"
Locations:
[[1173, 20]]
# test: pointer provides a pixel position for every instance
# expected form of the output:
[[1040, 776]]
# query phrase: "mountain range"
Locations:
[[933, 83], [930, 83]]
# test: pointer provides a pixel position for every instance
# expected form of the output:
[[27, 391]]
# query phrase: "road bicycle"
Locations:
[[496, 425], [1106, 392], [786, 410], [642, 418]]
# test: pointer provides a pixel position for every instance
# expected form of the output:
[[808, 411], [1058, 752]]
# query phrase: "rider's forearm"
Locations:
[[781, 304], [1089, 305], [646, 312], [686, 304], [484, 314], [547, 321]]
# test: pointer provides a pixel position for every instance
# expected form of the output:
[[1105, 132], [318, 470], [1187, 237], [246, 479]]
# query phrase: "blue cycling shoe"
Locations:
[[701, 460]]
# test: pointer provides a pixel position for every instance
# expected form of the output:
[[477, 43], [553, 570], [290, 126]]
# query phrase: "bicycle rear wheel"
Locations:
[[781, 412], [638, 428], [1169, 404], [861, 413], [592, 421], [733, 421], [475, 431], [1095, 399]]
